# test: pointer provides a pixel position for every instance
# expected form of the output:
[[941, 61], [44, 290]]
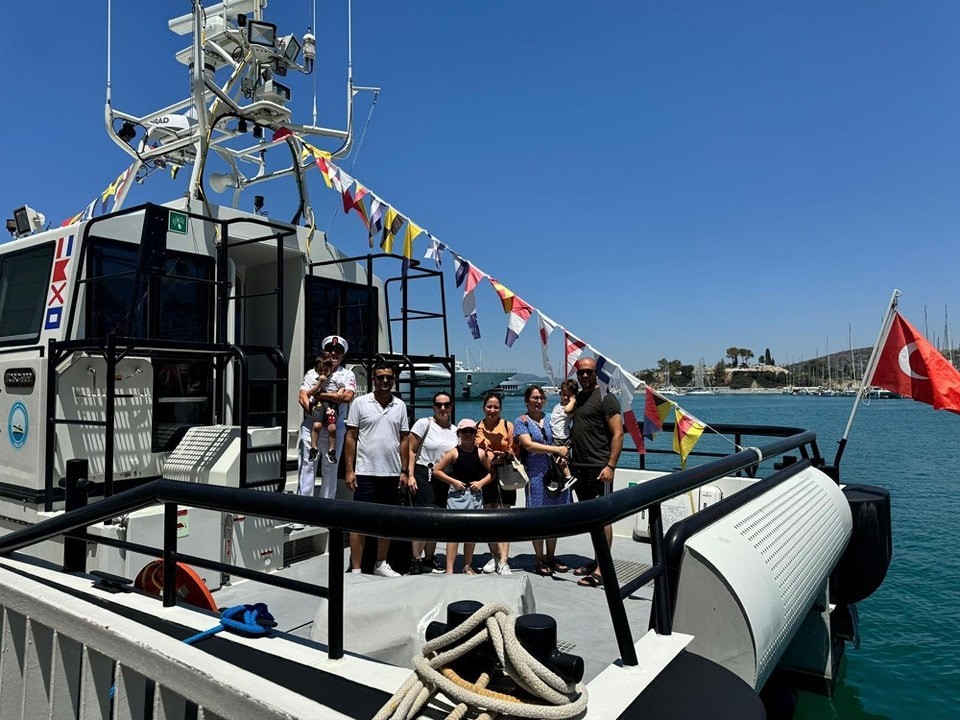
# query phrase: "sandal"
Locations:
[[591, 580], [469, 571], [559, 566], [589, 569], [543, 568]]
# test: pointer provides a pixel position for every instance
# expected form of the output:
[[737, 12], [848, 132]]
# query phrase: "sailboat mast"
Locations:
[[853, 362], [946, 336]]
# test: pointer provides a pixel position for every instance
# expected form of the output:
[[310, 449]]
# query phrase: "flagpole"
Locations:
[[868, 373]]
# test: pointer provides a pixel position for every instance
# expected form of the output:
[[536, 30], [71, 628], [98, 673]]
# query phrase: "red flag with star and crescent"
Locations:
[[908, 364]]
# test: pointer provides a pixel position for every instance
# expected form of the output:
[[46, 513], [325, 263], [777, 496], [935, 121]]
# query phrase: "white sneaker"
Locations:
[[490, 567], [383, 569], [504, 569]]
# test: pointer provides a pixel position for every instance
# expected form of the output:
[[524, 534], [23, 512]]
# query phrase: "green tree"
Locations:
[[767, 358], [663, 365], [720, 373], [733, 353], [746, 354], [649, 375]]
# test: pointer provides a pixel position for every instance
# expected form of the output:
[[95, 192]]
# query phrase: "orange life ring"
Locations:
[[190, 586]]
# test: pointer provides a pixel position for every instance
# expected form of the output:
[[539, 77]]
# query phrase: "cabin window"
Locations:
[[174, 307], [24, 285], [169, 307], [341, 308]]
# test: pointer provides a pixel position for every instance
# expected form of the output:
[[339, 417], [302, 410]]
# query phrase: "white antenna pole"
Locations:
[[868, 371], [313, 29], [109, 47], [350, 65]]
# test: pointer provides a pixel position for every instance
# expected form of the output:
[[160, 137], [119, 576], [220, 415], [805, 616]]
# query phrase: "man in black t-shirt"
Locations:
[[596, 440]]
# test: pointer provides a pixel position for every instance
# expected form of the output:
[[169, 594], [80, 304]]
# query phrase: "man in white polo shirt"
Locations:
[[346, 382], [375, 451]]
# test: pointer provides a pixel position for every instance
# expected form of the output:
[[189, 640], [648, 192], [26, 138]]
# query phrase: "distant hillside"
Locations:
[[840, 367]]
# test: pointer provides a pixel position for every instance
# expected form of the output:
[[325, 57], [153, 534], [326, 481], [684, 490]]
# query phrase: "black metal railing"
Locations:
[[440, 525]]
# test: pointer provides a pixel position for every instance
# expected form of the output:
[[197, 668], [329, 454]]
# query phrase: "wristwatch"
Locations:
[[404, 472]]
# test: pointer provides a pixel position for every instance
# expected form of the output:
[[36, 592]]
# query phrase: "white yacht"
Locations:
[[469, 382], [156, 561]]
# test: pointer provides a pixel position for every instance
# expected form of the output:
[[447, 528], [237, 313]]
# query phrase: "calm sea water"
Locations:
[[908, 664]]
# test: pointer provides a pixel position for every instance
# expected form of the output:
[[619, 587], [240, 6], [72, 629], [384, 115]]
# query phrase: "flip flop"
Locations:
[[543, 568], [591, 580], [588, 569], [469, 571], [560, 566]]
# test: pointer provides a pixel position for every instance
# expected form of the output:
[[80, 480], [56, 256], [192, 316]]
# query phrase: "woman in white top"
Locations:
[[430, 438]]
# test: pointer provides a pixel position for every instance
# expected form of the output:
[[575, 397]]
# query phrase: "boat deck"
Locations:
[[583, 620]]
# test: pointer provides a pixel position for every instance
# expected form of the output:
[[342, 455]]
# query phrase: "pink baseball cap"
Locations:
[[466, 424]]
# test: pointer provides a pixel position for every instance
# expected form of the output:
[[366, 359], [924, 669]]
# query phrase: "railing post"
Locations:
[[111, 399], [75, 496], [170, 554], [335, 593], [661, 585], [611, 586]]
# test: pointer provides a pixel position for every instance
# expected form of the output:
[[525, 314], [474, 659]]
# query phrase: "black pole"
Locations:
[[111, 388], [611, 586], [335, 590], [75, 496], [170, 554], [661, 586]]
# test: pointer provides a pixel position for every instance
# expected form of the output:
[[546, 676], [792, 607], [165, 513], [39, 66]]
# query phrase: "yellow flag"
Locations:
[[412, 231], [685, 434], [390, 228]]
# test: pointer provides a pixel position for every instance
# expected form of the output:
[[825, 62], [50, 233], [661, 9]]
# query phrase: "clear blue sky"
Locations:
[[664, 179]]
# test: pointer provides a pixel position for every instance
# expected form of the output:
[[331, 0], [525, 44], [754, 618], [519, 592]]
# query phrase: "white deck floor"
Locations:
[[584, 626]]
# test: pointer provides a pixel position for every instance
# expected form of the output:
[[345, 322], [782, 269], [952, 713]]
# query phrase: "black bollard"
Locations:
[[538, 635]]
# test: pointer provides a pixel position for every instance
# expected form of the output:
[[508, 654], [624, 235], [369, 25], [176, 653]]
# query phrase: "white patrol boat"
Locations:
[[150, 359]]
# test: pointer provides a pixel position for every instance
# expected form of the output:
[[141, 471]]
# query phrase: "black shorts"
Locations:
[[319, 412], [425, 495], [440, 492], [587, 486], [376, 489]]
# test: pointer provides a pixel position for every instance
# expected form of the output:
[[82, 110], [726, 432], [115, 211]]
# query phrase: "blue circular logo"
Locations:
[[18, 424]]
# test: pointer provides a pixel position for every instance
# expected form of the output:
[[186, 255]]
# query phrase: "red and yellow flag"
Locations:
[[686, 433]]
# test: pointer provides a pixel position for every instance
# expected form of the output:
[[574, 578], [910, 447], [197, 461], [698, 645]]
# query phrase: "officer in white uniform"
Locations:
[[346, 383]]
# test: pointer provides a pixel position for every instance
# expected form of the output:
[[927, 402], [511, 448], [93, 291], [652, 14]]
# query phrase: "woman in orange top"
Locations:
[[495, 435]]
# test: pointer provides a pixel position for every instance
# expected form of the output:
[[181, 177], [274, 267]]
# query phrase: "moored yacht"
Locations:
[[153, 564]]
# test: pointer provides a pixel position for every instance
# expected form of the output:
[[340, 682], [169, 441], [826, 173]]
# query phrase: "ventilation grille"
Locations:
[[796, 534], [196, 453], [303, 548]]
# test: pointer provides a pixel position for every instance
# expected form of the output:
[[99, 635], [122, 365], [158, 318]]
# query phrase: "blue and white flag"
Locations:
[[435, 249]]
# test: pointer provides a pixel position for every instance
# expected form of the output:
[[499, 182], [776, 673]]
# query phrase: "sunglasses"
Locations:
[[442, 406], [467, 431], [384, 378], [585, 372]]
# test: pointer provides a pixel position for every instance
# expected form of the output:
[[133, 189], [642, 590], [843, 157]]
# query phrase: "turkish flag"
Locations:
[[911, 366]]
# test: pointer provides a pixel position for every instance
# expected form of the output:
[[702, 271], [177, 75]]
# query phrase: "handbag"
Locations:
[[553, 475], [513, 475], [464, 500]]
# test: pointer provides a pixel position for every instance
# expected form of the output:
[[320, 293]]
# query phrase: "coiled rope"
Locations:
[[497, 624], [249, 620]]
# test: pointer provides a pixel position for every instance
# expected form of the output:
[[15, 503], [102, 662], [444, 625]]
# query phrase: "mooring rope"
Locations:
[[497, 624]]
